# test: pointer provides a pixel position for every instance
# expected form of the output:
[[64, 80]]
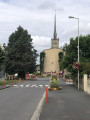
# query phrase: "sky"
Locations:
[[37, 17]]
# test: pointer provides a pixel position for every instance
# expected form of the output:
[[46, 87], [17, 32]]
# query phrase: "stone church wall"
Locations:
[[51, 63]]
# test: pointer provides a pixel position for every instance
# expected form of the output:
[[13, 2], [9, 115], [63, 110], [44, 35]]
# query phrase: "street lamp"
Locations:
[[78, 45]]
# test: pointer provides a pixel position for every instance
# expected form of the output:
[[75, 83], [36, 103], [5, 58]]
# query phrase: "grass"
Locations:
[[7, 82], [2, 82]]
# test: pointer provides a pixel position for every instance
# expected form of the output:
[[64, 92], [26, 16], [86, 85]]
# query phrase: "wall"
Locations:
[[86, 84], [51, 63]]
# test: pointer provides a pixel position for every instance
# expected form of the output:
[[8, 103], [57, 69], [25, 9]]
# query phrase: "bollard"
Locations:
[[9, 81], [46, 94], [12, 81], [15, 81], [4, 83]]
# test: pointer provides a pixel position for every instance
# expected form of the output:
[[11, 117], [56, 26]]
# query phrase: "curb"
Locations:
[[4, 88], [38, 110]]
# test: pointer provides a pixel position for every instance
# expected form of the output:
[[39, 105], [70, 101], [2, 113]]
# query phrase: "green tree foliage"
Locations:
[[42, 55], [61, 55], [21, 54], [2, 58], [71, 55]]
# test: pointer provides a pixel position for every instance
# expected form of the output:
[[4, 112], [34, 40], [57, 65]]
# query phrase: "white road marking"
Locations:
[[69, 83], [21, 85], [40, 86], [27, 85], [34, 86], [16, 86]]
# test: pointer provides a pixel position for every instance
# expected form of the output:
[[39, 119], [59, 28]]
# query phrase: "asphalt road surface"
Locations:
[[19, 102], [67, 104]]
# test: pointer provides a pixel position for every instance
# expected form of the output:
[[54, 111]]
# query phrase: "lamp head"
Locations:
[[71, 17]]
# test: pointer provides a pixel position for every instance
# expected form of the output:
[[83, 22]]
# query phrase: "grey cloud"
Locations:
[[50, 5], [60, 9], [47, 5], [40, 22]]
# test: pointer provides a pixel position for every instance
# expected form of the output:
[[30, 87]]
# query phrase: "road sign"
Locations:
[[76, 65]]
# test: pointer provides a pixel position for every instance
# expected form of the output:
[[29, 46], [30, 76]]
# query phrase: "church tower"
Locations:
[[51, 63], [55, 40]]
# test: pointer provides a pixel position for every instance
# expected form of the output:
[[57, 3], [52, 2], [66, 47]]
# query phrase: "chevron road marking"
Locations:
[[34, 86], [21, 85], [28, 85], [16, 86], [40, 86]]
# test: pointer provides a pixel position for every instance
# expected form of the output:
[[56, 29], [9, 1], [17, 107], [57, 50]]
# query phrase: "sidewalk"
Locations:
[[66, 104]]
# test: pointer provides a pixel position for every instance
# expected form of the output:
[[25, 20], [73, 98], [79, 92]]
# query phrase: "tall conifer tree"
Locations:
[[2, 58], [21, 53]]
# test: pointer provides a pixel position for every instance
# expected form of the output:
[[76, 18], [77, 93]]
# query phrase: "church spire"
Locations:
[[55, 34], [55, 40]]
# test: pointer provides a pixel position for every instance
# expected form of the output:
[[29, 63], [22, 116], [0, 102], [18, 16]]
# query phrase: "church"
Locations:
[[51, 59]]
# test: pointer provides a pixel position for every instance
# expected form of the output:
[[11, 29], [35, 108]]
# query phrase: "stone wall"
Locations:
[[88, 85], [51, 63], [85, 84]]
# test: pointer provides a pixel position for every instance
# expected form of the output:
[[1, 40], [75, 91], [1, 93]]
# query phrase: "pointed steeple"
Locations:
[[55, 34], [55, 40]]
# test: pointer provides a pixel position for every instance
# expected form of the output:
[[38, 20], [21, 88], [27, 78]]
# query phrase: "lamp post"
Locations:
[[78, 45]]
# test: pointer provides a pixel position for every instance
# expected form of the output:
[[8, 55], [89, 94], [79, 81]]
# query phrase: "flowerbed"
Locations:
[[54, 84]]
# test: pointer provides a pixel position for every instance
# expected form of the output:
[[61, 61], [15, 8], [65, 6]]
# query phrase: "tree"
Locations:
[[61, 55], [42, 56], [71, 55], [2, 58], [21, 53]]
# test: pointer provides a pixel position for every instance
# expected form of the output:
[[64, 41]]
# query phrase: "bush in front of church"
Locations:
[[54, 77], [54, 83]]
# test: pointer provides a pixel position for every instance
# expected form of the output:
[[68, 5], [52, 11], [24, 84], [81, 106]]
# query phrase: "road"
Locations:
[[19, 102], [67, 104]]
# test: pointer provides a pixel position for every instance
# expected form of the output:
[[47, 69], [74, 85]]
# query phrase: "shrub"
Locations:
[[36, 73], [54, 77], [54, 84], [68, 76]]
